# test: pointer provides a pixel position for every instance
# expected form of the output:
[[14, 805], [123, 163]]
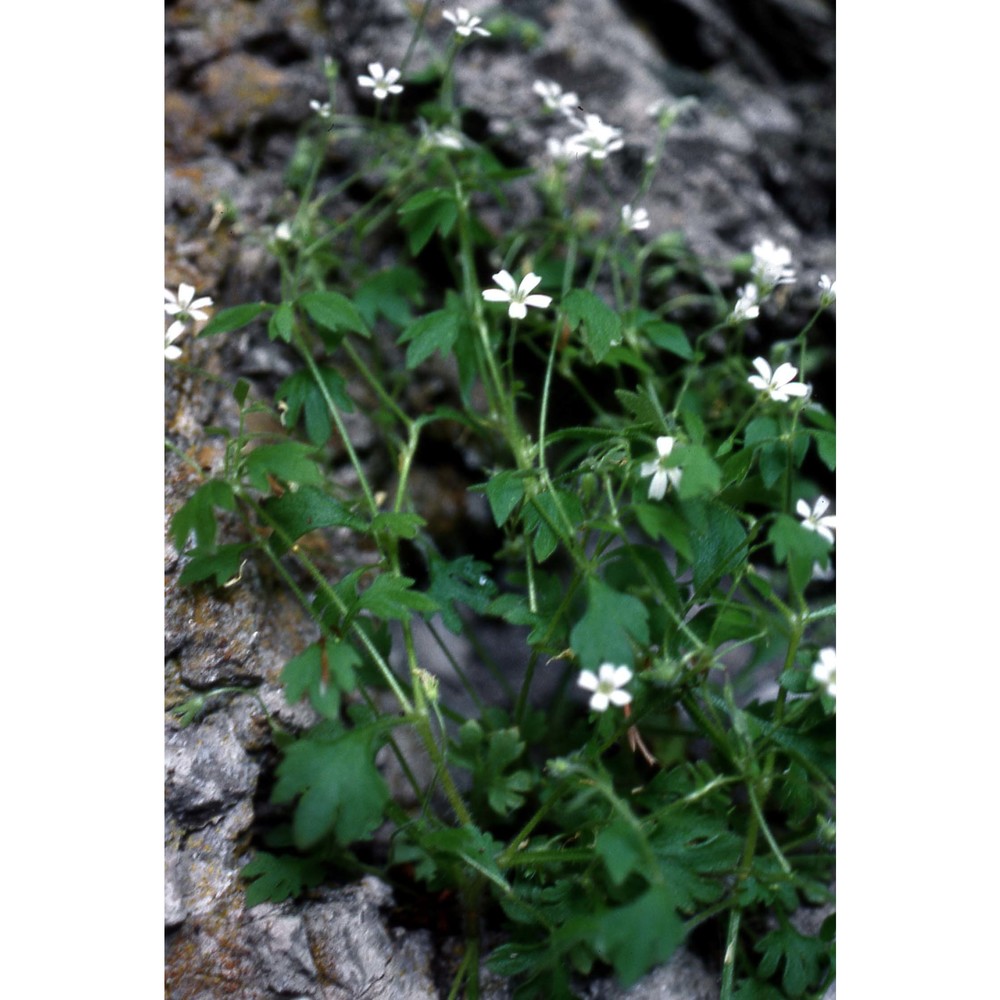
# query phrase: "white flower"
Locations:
[[770, 265], [518, 296], [170, 350], [657, 468], [441, 138], [824, 671], [283, 231], [186, 308], [814, 520], [596, 139], [465, 23], [554, 98], [556, 148], [635, 219], [827, 290], [746, 307], [606, 685], [323, 110], [383, 81], [778, 385]]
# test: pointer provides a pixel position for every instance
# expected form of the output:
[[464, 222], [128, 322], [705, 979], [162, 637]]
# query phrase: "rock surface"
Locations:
[[754, 160]]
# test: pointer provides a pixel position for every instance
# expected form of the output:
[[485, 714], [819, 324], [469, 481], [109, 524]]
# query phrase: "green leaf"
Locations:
[[697, 852], [826, 445], [701, 476], [304, 675], [621, 848], [436, 331], [233, 319], [305, 510], [661, 521], [301, 394], [802, 957], [389, 293], [504, 491], [391, 597], [198, 514], [759, 430], [421, 215], [282, 323], [463, 581], [276, 878], [340, 790], [223, 563], [333, 312], [602, 635], [669, 337], [639, 935], [639, 405], [718, 541], [789, 536], [542, 517], [397, 524], [602, 327], [290, 461]]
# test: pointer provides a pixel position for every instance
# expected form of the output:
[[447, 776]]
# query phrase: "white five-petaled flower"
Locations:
[[445, 137], [465, 23], [657, 468], [187, 310], [382, 81], [635, 219], [771, 265], [746, 306], [814, 519], [777, 384], [323, 110], [595, 138], [607, 685], [555, 100], [519, 296], [827, 290], [824, 671]]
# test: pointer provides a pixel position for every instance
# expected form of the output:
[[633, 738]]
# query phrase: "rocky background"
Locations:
[[755, 160]]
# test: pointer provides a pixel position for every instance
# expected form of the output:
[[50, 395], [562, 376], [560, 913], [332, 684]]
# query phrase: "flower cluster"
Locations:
[[607, 685], [663, 475], [382, 81], [186, 310], [519, 296], [770, 268]]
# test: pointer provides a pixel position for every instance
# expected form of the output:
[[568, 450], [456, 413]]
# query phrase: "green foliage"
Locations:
[[275, 878], [608, 628], [339, 790], [601, 836]]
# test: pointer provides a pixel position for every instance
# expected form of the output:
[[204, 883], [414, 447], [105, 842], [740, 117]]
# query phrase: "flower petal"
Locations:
[[588, 680], [599, 701], [517, 310], [539, 301], [763, 367], [820, 506], [528, 282], [505, 281]]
